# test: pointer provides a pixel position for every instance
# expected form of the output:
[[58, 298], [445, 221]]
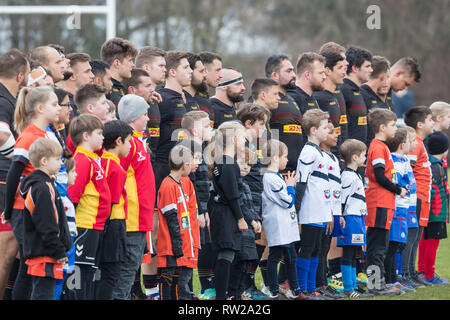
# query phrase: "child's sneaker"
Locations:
[[335, 282], [208, 294], [420, 277], [284, 287], [330, 292], [361, 277], [436, 280], [357, 294], [265, 290]]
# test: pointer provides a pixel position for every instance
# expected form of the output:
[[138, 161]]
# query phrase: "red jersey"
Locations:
[[193, 216], [422, 173], [140, 185], [377, 196], [90, 191], [116, 177], [21, 153], [173, 198]]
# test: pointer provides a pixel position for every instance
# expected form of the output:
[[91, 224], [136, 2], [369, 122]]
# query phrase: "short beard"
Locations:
[[67, 75], [317, 87], [289, 86], [201, 87], [235, 99]]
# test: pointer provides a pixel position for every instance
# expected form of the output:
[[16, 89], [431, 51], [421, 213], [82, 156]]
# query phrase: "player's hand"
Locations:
[[256, 226], [329, 228], [242, 225], [342, 221], [4, 220], [207, 219], [201, 221], [155, 98], [291, 179], [62, 260], [404, 192]]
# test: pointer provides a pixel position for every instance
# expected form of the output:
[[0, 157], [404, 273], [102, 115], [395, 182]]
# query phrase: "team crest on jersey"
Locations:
[[141, 157], [99, 174], [293, 215], [327, 194], [336, 194]]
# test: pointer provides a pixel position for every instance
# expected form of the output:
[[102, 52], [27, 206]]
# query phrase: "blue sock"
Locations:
[[312, 274], [347, 277], [355, 282], [302, 272]]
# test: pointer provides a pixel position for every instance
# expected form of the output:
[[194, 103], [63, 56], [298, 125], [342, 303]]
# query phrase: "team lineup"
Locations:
[[122, 176]]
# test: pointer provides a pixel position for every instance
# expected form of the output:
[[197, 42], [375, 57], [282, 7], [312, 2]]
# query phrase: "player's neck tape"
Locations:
[[230, 82]]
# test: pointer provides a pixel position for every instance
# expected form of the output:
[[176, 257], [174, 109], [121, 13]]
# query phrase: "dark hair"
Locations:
[[273, 63], [117, 48], [400, 137], [208, 57], [99, 68], [356, 56], [192, 59], [415, 115], [87, 92], [252, 112], [81, 124], [378, 116], [61, 94], [331, 59], [113, 130], [135, 78], [261, 84], [12, 63]]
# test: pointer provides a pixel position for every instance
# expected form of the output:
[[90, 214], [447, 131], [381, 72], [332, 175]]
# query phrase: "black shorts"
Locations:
[[114, 243], [87, 246]]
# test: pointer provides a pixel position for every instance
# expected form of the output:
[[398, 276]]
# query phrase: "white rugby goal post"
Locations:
[[74, 12]]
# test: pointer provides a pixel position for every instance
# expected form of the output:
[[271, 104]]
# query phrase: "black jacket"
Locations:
[[46, 232]]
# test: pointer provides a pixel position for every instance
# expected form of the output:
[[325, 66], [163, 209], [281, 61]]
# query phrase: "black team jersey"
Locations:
[[356, 111], [172, 110], [222, 112], [287, 119], [191, 103], [372, 101], [117, 92], [390, 101], [303, 100], [153, 128], [343, 121], [328, 102], [205, 105]]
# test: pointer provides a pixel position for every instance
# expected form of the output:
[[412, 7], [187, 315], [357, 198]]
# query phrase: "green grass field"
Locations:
[[437, 292]]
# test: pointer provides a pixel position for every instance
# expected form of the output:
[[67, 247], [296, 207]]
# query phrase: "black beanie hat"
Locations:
[[437, 143]]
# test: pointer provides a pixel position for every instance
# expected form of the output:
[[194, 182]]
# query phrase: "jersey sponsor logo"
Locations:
[[327, 194], [281, 101], [337, 194], [179, 105], [374, 101], [293, 215], [292, 128], [343, 119], [337, 130], [394, 176], [211, 123], [227, 115], [259, 154], [182, 135], [154, 132], [362, 121], [311, 104], [358, 238], [185, 222], [356, 93], [332, 103]]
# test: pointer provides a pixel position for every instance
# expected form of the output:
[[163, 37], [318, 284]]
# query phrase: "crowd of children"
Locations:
[[90, 205]]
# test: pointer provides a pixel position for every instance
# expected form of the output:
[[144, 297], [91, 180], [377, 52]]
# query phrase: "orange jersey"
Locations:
[[422, 173], [173, 198], [21, 149], [193, 215], [377, 197]]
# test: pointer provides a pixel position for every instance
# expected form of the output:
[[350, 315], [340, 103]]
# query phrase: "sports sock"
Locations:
[[302, 272], [347, 277], [311, 279]]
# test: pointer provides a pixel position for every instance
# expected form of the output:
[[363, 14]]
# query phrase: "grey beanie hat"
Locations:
[[131, 107]]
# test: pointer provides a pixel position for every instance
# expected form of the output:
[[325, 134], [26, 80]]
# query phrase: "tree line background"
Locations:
[[246, 32]]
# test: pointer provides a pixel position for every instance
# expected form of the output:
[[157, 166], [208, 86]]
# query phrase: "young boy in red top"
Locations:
[[175, 244], [117, 135], [46, 233], [421, 119], [91, 197], [140, 186], [380, 194]]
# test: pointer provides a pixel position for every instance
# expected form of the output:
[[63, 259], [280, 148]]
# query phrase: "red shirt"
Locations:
[[90, 191], [140, 185], [116, 177]]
